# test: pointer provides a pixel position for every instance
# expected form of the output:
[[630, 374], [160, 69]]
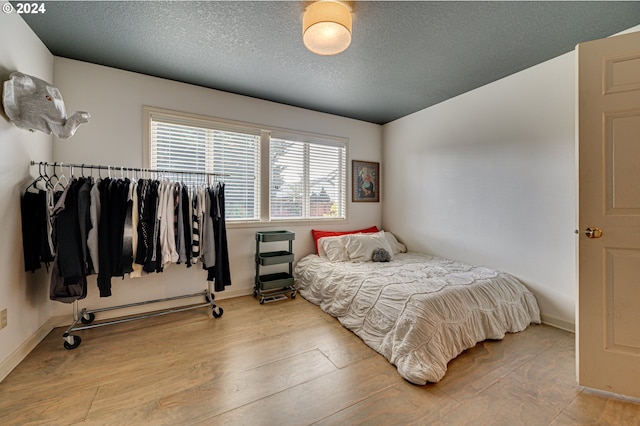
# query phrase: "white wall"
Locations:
[[114, 137], [489, 177], [25, 295]]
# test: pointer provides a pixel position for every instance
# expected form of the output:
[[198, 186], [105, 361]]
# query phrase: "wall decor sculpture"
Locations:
[[34, 104]]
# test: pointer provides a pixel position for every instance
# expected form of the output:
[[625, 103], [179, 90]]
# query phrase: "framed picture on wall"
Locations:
[[365, 181]]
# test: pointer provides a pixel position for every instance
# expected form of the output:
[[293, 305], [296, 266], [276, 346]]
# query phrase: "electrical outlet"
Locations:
[[3, 318]]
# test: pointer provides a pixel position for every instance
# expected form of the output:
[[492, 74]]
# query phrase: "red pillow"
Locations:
[[317, 234]]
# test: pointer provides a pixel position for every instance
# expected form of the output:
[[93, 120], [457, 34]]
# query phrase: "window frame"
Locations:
[[266, 133]]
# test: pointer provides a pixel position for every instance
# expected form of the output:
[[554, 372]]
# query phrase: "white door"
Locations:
[[608, 331]]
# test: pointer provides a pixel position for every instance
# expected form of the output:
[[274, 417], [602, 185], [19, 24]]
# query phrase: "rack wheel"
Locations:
[[293, 295], [255, 293], [88, 318], [262, 300], [217, 311], [76, 342]]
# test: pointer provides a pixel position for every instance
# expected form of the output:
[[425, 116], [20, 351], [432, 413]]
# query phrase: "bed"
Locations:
[[417, 310]]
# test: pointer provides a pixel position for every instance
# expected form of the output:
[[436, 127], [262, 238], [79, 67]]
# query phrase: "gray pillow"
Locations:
[[381, 255]]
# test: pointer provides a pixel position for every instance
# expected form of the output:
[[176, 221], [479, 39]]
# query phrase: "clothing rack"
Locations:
[[87, 316], [123, 169]]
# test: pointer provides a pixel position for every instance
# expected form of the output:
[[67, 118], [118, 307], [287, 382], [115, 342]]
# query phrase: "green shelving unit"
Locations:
[[272, 286]]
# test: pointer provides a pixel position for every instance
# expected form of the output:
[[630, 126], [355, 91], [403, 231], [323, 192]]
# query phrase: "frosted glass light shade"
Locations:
[[326, 27]]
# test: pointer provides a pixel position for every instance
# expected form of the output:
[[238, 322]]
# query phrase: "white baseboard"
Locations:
[[612, 395], [16, 357], [229, 294], [558, 323]]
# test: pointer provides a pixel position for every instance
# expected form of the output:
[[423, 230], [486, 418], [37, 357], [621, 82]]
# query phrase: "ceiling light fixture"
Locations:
[[326, 27]]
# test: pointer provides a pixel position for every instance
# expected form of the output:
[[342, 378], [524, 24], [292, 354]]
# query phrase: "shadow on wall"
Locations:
[[4, 76]]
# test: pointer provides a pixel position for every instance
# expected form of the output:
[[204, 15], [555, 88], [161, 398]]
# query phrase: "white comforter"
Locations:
[[419, 311]]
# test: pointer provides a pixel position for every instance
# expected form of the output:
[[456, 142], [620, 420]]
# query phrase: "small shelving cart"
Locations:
[[272, 286]]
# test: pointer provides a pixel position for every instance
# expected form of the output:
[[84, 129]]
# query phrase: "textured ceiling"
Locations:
[[405, 56]]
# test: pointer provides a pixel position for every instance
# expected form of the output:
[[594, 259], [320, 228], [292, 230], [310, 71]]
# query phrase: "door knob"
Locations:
[[593, 232]]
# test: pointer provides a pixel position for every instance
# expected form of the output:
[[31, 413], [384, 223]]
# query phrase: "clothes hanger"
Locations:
[[59, 180], [40, 178], [53, 176], [63, 181], [46, 177]]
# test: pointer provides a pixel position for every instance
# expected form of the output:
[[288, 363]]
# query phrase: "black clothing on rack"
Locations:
[[148, 225], [195, 227], [220, 272], [118, 194], [127, 235], [143, 222], [69, 242], [152, 234], [84, 220], [35, 230], [186, 225], [114, 209], [104, 276], [68, 278]]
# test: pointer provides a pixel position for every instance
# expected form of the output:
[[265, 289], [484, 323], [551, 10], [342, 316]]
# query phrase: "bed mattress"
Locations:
[[419, 311]]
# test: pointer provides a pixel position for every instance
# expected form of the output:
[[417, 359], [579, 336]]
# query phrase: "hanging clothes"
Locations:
[[118, 209], [154, 263], [148, 232], [36, 237], [68, 278], [92, 235], [220, 272], [144, 222], [207, 240], [195, 227], [185, 205], [104, 276], [115, 261], [112, 227], [69, 240], [135, 217], [84, 221], [166, 211], [127, 228]]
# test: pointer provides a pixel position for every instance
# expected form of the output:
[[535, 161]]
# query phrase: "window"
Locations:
[[198, 146], [307, 179], [305, 175]]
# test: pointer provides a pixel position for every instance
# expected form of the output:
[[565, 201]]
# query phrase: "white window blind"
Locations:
[[195, 145], [304, 174], [307, 179]]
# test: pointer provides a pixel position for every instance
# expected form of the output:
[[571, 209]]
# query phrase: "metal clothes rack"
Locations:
[[87, 316], [123, 169]]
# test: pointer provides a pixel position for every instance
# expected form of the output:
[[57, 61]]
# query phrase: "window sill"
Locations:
[[283, 222]]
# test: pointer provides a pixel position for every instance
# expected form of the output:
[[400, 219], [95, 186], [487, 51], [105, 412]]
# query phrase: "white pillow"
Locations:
[[333, 249], [360, 247], [395, 245]]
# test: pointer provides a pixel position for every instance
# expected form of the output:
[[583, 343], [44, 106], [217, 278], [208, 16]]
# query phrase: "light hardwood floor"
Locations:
[[288, 363]]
